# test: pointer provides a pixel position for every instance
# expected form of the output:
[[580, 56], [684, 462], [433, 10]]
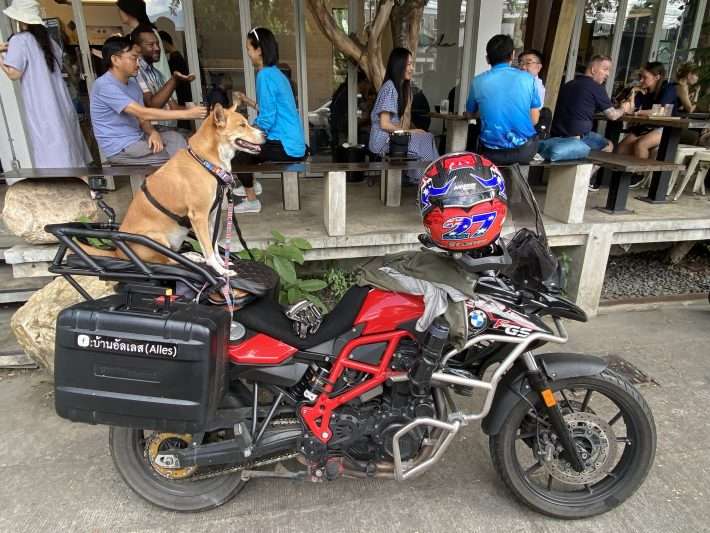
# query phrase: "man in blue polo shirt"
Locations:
[[509, 106]]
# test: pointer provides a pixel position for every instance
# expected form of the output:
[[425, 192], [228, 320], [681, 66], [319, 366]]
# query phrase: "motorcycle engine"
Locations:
[[366, 432]]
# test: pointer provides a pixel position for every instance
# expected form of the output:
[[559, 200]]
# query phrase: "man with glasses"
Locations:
[[122, 124], [531, 61]]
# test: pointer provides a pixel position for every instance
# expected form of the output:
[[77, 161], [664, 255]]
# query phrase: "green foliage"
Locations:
[[283, 255], [96, 243], [338, 282]]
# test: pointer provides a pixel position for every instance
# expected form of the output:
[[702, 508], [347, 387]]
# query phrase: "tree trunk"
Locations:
[[406, 23], [367, 55]]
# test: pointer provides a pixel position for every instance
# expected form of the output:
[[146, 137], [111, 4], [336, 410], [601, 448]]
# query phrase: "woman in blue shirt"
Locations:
[[656, 90], [277, 118], [393, 101]]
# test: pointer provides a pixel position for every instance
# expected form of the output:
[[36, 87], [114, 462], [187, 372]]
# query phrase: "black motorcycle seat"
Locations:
[[267, 316], [252, 277]]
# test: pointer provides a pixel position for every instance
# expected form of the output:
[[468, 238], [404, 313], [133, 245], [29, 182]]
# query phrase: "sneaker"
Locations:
[[593, 187], [239, 191], [248, 206]]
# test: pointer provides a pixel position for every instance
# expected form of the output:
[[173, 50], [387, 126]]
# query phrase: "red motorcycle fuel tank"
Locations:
[[381, 312]]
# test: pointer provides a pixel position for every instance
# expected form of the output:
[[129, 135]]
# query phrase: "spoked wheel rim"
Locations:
[[607, 438]]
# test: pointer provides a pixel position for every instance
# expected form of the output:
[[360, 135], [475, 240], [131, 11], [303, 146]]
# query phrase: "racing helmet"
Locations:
[[462, 201]]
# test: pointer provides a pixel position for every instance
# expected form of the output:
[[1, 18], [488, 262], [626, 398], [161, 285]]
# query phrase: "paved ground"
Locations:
[[58, 476]]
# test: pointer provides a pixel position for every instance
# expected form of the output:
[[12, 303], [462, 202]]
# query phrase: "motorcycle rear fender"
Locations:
[[557, 366]]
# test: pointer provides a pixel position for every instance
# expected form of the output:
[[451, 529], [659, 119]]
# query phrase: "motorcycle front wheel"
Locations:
[[615, 435], [134, 451]]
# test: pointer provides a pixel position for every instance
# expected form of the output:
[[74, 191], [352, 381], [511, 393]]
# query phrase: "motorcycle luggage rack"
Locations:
[[131, 269]]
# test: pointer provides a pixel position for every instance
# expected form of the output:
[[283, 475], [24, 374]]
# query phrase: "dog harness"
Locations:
[[224, 179]]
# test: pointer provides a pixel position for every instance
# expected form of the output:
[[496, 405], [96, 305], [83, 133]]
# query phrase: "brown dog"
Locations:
[[184, 187]]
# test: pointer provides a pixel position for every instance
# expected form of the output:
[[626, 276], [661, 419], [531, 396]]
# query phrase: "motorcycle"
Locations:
[[199, 402]]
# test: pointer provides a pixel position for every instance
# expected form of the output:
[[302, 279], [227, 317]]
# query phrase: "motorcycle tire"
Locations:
[[626, 476], [128, 452]]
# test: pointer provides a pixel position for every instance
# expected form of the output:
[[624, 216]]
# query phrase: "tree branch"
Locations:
[[348, 46], [374, 42]]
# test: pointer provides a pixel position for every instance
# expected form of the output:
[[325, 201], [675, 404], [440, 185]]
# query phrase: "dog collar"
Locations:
[[221, 174]]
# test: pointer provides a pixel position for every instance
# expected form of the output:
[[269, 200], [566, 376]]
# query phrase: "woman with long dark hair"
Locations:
[[655, 89], [32, 57], [278, 117], [393, 106], [133, 14]]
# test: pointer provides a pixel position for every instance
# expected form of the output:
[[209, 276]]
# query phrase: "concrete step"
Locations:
[[11, 355], [18, 289]]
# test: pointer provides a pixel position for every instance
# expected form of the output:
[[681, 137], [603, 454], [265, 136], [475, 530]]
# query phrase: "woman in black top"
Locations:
[[655, 90]]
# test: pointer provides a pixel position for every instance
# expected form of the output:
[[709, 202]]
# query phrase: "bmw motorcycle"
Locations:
[[200, 401]]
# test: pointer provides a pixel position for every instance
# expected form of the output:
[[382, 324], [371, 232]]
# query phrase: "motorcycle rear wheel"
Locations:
[[619, 455], [128, 450]]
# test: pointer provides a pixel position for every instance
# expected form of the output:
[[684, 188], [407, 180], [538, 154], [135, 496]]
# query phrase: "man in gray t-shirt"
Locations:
[[121, 122]]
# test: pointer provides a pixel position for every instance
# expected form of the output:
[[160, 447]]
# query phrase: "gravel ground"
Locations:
[[650, 274]]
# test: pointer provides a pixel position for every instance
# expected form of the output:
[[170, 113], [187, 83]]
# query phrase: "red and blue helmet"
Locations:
[[462, 201]]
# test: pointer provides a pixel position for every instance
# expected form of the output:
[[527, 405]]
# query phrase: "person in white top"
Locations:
[[531, 61]]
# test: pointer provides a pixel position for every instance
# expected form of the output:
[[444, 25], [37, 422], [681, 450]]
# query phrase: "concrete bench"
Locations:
[[622, 166], [567, 188]]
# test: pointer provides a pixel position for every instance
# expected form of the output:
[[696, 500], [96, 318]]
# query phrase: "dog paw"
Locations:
[[216, 263]]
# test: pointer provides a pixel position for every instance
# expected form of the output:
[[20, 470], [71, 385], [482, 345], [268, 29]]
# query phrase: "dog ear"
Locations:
[[219, 119]]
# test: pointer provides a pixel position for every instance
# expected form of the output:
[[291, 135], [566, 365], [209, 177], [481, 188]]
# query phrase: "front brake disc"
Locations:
[[596, 444]]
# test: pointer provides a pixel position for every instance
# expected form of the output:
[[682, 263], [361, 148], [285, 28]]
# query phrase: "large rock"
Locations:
[[31, 204], [34, 324]]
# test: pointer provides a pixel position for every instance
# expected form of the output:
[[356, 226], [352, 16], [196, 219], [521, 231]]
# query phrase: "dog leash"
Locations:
[[225, 179], [227, 249]]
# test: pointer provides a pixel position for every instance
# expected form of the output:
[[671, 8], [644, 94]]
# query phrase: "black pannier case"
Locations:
[[153, 367]]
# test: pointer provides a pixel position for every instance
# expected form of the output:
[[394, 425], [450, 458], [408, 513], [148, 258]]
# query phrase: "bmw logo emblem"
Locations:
[[477, 319]]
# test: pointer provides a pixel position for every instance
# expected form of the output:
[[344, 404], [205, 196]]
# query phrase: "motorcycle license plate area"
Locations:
[[161, 368]]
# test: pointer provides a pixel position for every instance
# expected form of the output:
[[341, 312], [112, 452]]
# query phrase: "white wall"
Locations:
[[489, 24]]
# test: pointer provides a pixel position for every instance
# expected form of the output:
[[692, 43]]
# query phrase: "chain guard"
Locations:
[[188, 473]]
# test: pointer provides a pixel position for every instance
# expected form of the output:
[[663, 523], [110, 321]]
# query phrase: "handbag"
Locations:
[[399, 144]]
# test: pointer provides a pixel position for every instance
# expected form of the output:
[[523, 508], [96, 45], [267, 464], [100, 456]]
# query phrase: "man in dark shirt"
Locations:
[[177, 63], [583, 97], [578, 102]]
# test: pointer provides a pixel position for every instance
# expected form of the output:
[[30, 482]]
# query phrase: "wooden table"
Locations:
[[456, 129], [672, 129]]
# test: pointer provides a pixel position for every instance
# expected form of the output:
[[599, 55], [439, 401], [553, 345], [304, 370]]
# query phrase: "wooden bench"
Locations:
[[622, 166], [138, 173], [334, 202]]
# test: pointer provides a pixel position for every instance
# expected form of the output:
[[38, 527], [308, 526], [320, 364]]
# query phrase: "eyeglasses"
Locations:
[[256, 35], [529, 62]]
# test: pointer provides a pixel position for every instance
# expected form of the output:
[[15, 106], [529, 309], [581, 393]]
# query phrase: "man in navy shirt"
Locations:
[[509, 105], [578, 102], [583, 97]]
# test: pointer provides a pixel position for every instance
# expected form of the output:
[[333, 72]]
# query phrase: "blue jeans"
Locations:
[[595, 141]]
